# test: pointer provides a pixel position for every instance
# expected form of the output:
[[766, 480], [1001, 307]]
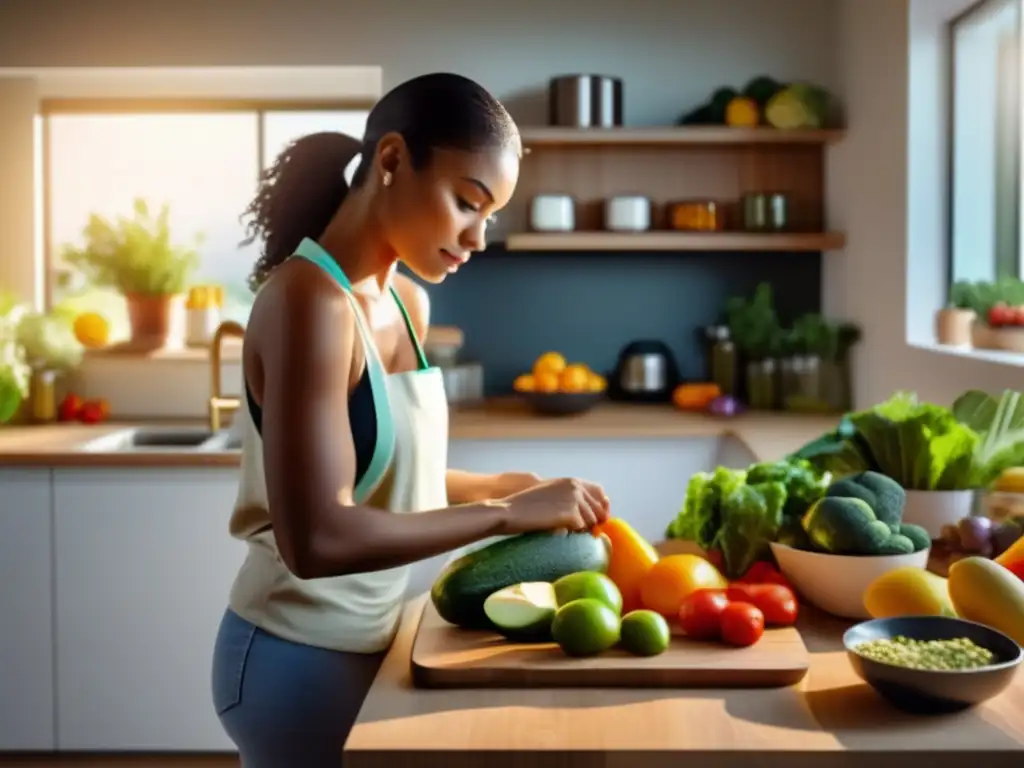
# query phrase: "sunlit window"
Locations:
[[985, 143], [203, 166]]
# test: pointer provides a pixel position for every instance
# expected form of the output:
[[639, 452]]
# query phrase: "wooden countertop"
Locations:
[[829, 715], [767, 435]]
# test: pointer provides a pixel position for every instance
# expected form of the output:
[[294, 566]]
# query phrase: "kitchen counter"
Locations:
[[765, 434], [830, 715]]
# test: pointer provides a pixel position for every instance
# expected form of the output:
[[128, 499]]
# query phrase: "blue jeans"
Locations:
[[285, 704]]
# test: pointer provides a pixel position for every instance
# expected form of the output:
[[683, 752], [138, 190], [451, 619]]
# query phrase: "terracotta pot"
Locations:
[[953, 326], [983, 336], [150, 318]]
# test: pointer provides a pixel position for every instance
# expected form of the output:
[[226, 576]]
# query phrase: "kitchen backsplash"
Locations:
[[513, 306]]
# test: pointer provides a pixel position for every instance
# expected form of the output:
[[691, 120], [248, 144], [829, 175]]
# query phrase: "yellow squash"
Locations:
[[986, 592], [908, 591]]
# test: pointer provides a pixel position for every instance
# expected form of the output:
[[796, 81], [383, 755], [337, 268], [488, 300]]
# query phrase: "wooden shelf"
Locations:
[[673, 136], [675, 241]]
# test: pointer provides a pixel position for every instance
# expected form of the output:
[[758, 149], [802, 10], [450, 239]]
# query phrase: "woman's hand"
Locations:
[[567, 503]]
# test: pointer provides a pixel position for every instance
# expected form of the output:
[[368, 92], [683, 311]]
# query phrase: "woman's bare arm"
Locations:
[[305, 340]]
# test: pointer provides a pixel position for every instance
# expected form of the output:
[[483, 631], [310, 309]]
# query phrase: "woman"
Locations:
[[344, 480]]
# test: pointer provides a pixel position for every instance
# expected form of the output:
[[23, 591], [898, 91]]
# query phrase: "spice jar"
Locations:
[[204, 305], [695, 216]]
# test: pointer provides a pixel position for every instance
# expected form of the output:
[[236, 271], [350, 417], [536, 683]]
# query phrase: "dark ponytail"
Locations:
[[300, 193], [297, 197]]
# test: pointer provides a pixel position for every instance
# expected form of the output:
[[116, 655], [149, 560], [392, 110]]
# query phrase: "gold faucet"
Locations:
[[218, 402]]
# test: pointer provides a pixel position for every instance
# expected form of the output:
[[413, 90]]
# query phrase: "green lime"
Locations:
[[585, 627], [644, 633], [576, 586]]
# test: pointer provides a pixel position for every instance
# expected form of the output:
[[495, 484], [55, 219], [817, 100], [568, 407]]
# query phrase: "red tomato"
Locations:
[[757, 573], [742, 624], [776, 602], [700, 613], [1000, 315]]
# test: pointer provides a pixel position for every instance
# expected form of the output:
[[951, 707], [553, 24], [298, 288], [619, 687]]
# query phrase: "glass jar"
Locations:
[[724, 361], [762, 391], [42, 396]]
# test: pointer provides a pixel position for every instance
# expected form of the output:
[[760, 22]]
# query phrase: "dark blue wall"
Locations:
[[513, 306]]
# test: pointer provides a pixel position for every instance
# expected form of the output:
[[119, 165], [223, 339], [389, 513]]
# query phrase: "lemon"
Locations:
[[549, 362], [92, 330]]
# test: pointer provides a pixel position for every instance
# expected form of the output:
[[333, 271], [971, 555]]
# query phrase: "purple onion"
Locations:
[[725, 405]]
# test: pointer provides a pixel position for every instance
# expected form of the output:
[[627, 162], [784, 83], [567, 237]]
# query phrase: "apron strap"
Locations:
[[384, 447], [420, 355]]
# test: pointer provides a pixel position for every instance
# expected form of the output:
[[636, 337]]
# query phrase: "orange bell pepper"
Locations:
[[632, 556], [1013, 553]]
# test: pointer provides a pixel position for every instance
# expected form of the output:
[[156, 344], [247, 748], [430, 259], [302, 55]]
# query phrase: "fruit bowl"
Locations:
[[561, 403], [836, 583], [932, 691]]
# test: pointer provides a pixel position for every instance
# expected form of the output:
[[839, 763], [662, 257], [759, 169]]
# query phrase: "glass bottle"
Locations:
[[724, 360]]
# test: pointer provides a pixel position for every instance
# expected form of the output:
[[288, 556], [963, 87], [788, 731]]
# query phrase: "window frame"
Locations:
[[50, 107], [953, 26]]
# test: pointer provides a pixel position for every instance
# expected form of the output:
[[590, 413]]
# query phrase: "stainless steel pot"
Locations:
[[585, 101]]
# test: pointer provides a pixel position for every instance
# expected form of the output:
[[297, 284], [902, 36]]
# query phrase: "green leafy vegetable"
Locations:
[[738, 512], [1000, 425]]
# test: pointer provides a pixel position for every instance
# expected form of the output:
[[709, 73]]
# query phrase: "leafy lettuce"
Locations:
[[739, 511]]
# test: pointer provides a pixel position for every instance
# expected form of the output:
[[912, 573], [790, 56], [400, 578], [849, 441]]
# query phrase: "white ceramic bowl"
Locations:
[[836, 583]]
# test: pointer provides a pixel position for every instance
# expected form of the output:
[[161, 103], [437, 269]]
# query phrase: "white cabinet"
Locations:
[[26, 636], [144, 564]]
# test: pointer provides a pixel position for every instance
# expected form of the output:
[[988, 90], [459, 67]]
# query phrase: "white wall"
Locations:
[[671, 53], [886, 190]]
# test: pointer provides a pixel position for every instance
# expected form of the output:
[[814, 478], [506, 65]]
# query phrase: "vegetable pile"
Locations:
[[739, 511], [923, 446], [859, 515]]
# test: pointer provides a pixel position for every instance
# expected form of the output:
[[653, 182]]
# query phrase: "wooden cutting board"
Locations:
[[444, 656]]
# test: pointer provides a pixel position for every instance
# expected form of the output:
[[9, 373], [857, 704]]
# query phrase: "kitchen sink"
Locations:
[[224, 440], [150, 439]]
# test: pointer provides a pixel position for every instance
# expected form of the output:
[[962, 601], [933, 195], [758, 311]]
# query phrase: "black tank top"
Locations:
[[362, 419]]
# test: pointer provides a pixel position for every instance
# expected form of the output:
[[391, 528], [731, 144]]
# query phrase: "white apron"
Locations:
[[356, 612]]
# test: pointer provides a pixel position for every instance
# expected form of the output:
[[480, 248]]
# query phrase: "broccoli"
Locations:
[[845, 526], [918, 536], [883, 494], [896, 544]]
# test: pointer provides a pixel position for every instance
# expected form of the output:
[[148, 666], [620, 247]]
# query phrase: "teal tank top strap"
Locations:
[[421, 357], [384, 448]]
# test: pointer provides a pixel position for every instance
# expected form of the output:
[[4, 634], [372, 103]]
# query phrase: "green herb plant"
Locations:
[[754, 324], [134, 255]]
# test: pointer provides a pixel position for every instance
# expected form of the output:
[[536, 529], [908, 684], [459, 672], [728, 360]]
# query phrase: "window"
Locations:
[[985, 142], [204, 166]]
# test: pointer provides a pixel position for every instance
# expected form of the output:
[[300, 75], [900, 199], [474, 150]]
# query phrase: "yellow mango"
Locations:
[[908, 591], [984, 591]]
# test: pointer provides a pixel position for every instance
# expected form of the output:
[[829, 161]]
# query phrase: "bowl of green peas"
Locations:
[[932, 664]]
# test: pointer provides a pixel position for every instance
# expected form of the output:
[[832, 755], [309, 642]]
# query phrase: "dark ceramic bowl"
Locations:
[[925, 691], [562, 403]]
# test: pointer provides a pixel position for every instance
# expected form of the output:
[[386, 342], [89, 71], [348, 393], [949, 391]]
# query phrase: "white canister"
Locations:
[[552, 213], [934, 509], [627, 213]]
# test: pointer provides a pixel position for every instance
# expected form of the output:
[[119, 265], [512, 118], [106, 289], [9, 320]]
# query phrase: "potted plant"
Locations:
[[136, 257], [754, 326], [953, 322]]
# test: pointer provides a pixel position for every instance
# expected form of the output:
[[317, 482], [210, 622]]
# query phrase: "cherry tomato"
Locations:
[[700, 613], [1000, 315], [777, 603], [742, 624]]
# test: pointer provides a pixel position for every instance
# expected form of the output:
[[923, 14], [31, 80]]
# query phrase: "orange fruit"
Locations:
[[673, 578], [92, 330], [524, 383], [596, 382], [545, 382], [549, 362], [575, 378]]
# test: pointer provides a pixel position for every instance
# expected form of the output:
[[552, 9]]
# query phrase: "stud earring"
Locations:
[[387, 178]]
